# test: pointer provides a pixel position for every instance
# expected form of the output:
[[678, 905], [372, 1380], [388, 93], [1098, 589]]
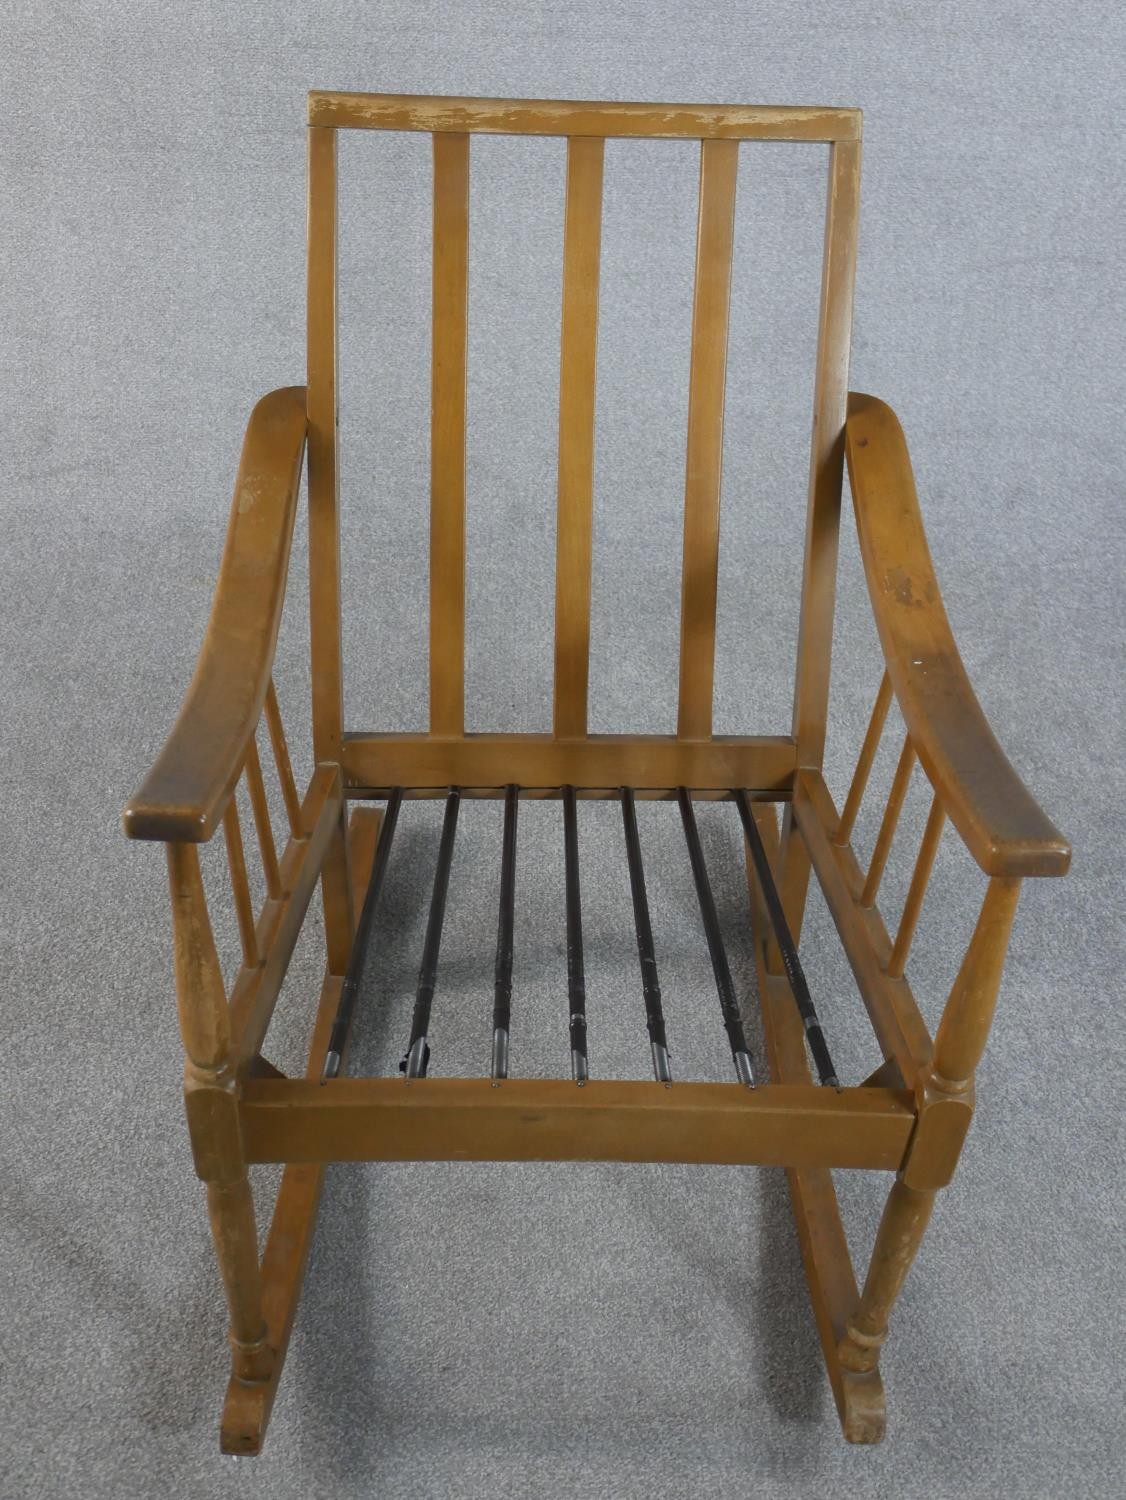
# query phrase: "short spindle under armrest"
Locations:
[[184, 795], [1000, 822]]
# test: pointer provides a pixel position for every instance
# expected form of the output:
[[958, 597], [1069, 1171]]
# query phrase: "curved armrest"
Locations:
[[183, 796], [986, 800]]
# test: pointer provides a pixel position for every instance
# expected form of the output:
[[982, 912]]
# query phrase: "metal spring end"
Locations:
[[500, 1052], [744, 1070], [661, 1070], [417, 1059]]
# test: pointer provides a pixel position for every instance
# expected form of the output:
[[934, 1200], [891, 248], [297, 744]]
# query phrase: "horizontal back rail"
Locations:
[[760, 763], [573, 117]]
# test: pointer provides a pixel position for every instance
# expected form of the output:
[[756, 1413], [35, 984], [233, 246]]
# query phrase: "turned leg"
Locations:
[[946, 1102], [905, 1217], [231, 1210], [211, 1101]]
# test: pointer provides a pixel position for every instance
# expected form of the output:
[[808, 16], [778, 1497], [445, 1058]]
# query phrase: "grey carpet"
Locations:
[[579, 1331]]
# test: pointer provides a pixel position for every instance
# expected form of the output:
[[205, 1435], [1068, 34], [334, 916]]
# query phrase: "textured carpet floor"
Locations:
[[550, 1331]]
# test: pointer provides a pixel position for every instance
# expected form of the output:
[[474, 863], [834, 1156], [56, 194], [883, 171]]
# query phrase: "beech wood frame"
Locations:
[[910, 1118]]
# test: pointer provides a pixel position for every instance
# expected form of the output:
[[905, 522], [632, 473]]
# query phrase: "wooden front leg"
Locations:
[[905, 1217], [246, 1411], [946, 1103], [211, 1101]]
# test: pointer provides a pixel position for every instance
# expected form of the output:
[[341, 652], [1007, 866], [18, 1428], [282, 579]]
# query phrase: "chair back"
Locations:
[[371, 760]]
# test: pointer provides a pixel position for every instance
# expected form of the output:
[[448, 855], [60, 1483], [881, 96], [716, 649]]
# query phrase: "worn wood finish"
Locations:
[[911, 1115], [582, 239], [324, 517], [860, 1400], [764, 762], [1002, 826], [578, 118], [447, 434], [183, 797], [904, 1221], [719, 161], [471, 1119]]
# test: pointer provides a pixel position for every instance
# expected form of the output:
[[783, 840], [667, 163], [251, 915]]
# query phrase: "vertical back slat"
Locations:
[[447, 434], [714, 240], [830, 398], [578, 352], [324, 531]]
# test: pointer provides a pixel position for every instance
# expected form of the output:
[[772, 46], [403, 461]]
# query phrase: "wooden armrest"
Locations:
[[183, 796], [1002, 826]]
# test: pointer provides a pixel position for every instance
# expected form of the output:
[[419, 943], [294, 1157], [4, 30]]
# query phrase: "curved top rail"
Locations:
[[1002, 825], [183, 796]]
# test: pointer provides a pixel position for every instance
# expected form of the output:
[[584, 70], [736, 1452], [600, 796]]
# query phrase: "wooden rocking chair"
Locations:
[[911, 1116]]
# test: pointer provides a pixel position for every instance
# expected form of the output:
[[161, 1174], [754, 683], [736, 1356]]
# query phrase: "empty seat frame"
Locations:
[[910, 1117]]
